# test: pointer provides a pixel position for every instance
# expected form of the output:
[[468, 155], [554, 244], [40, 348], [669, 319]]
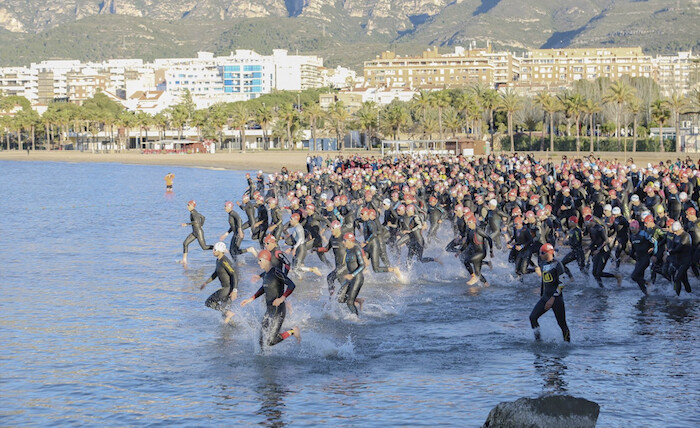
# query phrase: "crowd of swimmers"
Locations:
[[366, 210]]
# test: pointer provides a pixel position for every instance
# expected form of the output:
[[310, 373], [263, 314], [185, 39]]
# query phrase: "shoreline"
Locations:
[[268, 161]]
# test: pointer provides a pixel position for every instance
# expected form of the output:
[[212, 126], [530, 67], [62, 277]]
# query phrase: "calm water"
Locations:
[[100, 326]]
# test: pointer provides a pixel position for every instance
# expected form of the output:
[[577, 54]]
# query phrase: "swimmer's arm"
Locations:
[[290, 286], [360, 266]]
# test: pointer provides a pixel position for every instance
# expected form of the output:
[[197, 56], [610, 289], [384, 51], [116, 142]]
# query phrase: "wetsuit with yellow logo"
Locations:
[[551, 287]]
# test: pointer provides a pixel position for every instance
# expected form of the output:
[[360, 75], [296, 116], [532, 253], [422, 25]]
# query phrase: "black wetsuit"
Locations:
[[416, 244], [600, 251], [261, 217], [196, 221], [680, 256], [372, 248], [336, 244], [575, 241], [521, 258], [229, 283], [551, 287], [355, 265], [273, 287], [474, 251], [234, 223], [643, 248], [435, 214]]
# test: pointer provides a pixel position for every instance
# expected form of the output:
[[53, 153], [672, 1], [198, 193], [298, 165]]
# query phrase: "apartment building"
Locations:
[[83, 85], [676, 73], [562, 67], [432, 70]]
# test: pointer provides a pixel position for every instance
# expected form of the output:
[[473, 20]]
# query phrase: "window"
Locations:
[[229, 68], [252, 68]]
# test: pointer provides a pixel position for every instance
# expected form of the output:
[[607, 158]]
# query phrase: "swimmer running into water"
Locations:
[[228, 277]]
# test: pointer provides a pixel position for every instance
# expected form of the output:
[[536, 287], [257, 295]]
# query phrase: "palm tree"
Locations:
[[143, 120], [217, 117], [429, 126], [440, 100], [396, 117], [240, 116], [618, 93], [591, 107], [368, 117], [510, 102], [471, 110], [288, 115], [452, 121], [339, 117], [678, 105], [264, 116], [488, 98], [423, 101], [660, 114], [161, 120], [635, 107], [574, 104], [551, 105], [312, 114]]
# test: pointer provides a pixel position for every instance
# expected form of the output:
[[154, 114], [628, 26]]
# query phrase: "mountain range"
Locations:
[[342, 31]]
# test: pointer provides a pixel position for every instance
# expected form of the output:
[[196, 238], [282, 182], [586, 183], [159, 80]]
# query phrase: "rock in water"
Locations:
[[560, 411]]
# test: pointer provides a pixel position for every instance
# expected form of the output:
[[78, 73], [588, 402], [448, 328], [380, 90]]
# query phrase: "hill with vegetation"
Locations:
[[343, 32]]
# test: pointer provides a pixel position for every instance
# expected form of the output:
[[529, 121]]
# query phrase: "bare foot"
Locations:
[[228, 317], [297, 334], [473, 280], [359, 302], [316, 271]]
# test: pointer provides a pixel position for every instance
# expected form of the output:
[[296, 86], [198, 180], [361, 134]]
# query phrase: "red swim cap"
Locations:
[[228, 204], [193, 203], [546, 249], [349, 237], [269, 238], [265, 255]]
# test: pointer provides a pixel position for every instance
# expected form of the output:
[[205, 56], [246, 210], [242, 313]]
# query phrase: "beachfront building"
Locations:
[[241, 75], [532, 71], [676, 73], [562, 67], [338, 78], [433, 70]]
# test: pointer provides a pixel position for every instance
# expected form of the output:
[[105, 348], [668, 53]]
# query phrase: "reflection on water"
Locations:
[[106, 329], [552, 369]]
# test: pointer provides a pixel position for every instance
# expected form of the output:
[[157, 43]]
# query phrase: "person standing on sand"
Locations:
[[169, 181]]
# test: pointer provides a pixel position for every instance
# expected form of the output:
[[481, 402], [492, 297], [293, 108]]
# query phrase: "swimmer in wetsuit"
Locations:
[[354, 279], [474, 251], [235, 227], [551, 295], [274, 282], [196, 221], [228, 277]]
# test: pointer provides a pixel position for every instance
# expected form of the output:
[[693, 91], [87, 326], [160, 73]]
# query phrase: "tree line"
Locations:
[[618, 112]]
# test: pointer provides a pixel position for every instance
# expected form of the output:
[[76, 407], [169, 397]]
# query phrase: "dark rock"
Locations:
[[560, 411]]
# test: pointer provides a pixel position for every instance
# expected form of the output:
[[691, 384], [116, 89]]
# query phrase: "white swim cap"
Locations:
[[220, 247], [676, 226], [324, 196], [635, 198], [493, 202], [386, 201], [683, 196], [616, 211], [607, 207]]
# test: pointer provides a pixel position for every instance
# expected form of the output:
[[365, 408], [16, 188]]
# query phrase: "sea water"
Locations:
[[99, 325]]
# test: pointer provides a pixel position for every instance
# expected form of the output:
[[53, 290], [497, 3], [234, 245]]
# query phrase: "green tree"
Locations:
[[591, 107], [678, 104], [488, 98], [634, 106], [660, 114], [396, 117], [440, 100], [510, 102], [288, 115], [367, 118], [551, 105], [452, 121], [618, 93], [240, 116], [312, 114], [339, 117], [264, 116]]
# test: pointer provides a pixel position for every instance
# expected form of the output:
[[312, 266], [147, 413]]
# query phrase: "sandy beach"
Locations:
[[270, 161]]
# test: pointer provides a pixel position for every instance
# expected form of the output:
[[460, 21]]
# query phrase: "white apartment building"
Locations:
[[676, 73]]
